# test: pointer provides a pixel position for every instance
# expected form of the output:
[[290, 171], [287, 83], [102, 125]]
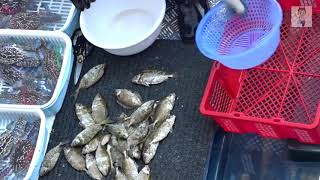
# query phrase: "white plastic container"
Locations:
[[12, 114], [53, 106], [65, 8], [123, 27]]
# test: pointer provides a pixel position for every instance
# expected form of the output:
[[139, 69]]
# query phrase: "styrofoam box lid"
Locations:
[[9, 114], [53, 37]]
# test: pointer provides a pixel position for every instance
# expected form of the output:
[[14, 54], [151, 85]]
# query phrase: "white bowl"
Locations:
[[123, 27]]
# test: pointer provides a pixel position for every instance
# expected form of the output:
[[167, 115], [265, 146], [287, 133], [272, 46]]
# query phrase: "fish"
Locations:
[[236, 5], [92, 145], [149, 151], [105, 139], [75, 158], [118, 130], [116, 156], [142, 113], [163, 109], [86, 135], [100, 110], [135, 152], [92, 168], [119, 175], [51, 159], [144, 174], [84, 115], [103, 160], [138, 133], [162, 131], [22, 156], [151, 77], [129, 167], [90, 78], [128, 99]]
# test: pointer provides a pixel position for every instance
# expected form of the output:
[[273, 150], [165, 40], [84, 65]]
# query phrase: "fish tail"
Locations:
[[75, 95]]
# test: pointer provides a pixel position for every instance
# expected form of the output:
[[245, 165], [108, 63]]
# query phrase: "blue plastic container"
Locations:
[[241, 41]]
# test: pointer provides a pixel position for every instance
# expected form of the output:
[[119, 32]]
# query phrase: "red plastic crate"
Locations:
[[279, 99]]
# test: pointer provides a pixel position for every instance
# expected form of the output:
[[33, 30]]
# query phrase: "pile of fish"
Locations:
[[115, 147], [28, 71], [17, 145], [19, 14]]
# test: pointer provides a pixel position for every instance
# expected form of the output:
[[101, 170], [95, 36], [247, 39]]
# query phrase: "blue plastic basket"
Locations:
[[241, 41]]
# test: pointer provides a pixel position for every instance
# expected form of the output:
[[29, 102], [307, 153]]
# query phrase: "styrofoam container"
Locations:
[[69, 15], [54, 104], [12, 114], [123, 27]]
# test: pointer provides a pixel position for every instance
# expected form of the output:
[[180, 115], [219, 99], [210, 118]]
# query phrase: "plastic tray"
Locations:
[[281, 98], [54, 104], [66, 9], [10, 114]]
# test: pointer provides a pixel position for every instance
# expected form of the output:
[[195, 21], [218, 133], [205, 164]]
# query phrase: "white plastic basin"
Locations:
[[123, 27]]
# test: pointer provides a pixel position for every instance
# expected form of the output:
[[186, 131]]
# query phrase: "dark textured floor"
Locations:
[[184, 153]]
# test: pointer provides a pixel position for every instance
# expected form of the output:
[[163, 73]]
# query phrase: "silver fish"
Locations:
[[84, 115], [149, 151], [162, 130], [135, 152], [99, 110], [75, 158], [129, 167], [51, 159], [163, 109], [119, 175], [138, 133], [92, 169], [86, 135], [237, 6], [151, 77], [144, 174], [142, 113], [92, 145], [103, 160], [128, 99], [105, 139], [116, 156], [118, 130], [90, 78]]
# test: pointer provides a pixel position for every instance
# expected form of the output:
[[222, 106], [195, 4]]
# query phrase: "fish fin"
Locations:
[[124, 106]]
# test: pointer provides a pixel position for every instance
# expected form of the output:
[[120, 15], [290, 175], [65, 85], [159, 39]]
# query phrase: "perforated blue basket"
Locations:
[[241, 41]]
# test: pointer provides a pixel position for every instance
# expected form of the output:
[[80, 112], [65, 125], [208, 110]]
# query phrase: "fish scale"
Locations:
[[10, 75], [11, 55], [50, 65], [11, 7], [23, 155]]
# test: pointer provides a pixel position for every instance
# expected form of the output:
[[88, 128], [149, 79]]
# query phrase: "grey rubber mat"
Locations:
[[184, 153]]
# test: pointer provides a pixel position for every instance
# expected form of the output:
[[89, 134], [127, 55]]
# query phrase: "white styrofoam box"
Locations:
[[11, 114], [54, 104]]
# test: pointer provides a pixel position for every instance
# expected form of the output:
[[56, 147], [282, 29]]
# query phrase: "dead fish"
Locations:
[[118, 130], [75, 158], [105, 139], [144, 174], [92, 169], [84, 115], [128, 99], [90, 78], [164, 108], [135, 152], [86, 135], [129, 167], [138, 133], [92, 145], [51, 159], [149, 151], [103, 160], [151, 77], [116, 156], [237, 6], [162, 130], [142, 113], [119, 175], [99, 110]]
